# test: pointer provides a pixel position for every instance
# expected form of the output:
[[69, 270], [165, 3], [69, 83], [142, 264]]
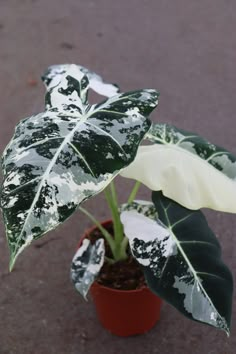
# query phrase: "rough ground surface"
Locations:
[[184, 48]]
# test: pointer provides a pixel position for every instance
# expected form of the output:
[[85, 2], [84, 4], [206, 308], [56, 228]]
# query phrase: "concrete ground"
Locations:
[[186, 49]]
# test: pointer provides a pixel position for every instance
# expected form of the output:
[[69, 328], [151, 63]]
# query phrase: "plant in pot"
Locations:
[[104, 264], [73, 150]]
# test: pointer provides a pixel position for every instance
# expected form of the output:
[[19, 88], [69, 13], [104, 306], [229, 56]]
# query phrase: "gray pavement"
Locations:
[[187, 50]]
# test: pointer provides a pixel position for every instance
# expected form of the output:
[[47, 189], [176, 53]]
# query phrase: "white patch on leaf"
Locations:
[[140, 227], [196, 302], [11, 202], [20, 156], [12, 178], [228, 167], [109, 156]]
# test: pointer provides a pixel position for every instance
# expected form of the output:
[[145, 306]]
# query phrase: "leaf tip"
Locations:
[[227, 331], [13, 257], [12, 262]]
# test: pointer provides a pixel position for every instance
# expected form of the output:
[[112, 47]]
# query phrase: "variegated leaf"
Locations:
[[187, 168], [54, 73], [86, 265], [181, 260], [65, 155], [140, 206]]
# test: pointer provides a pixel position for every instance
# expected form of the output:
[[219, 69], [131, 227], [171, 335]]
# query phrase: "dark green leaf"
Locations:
[[192, 277], [181, 260]]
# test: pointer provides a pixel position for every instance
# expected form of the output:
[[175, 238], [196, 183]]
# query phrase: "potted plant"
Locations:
[[104, 265], [72, 151]]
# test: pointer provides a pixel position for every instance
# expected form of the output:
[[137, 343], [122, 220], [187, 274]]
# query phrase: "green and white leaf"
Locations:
[[86, 265], [142, 207], [187, 168], [65, 155], [54, 73], [181, 260]]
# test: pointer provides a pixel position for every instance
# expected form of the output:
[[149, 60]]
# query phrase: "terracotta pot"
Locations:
[[125, 312]]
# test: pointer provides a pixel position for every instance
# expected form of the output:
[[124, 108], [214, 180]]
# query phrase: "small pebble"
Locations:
[[67, 45], [32, 82]]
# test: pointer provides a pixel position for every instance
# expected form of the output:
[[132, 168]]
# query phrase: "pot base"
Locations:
[[126, 312]]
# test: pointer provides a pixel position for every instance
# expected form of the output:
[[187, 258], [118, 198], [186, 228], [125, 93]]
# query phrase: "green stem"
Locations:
[[118, 243], [110, 260], [111, 199], [105, 233], [134, 192], [124, 245], [119, 234], [112, 208]]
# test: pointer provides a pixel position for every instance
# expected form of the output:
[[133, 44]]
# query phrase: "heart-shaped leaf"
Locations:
[[65, 155], [86, 265], [187, 168], [181, 259]]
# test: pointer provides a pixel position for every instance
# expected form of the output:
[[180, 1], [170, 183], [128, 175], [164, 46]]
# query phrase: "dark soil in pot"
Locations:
[[122, 275]]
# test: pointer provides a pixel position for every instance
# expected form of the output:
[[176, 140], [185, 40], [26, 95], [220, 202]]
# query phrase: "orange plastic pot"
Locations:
[[125, 312]]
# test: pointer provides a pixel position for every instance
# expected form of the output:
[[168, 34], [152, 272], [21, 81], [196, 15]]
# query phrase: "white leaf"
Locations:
[[184, 177]]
